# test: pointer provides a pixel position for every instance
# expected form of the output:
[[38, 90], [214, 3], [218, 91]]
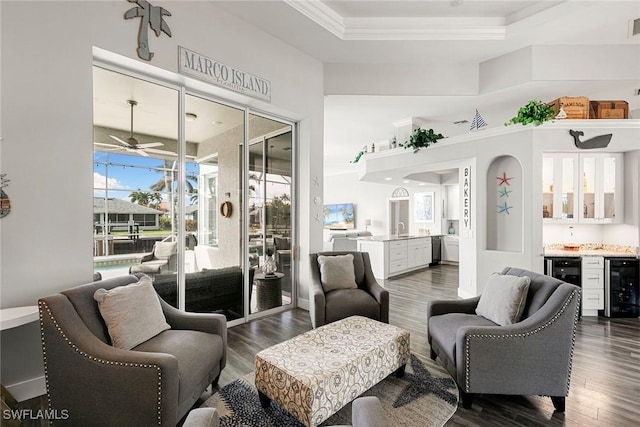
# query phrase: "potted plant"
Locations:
[[535, 111], [422, 138]]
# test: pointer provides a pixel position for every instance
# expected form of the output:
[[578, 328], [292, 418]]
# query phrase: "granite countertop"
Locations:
[[591, 249], [390, 237]]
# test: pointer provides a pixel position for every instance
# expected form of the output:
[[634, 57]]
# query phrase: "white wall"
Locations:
[[372, 200], [47, 56]]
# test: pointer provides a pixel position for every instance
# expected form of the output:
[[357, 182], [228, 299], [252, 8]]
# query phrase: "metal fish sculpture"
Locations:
[[600, 141]]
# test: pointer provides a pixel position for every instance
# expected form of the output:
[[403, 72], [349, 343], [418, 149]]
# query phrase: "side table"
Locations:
[[268, 290]]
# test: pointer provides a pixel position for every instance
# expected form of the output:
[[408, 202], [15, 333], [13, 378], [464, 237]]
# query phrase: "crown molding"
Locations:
[[406, 28]]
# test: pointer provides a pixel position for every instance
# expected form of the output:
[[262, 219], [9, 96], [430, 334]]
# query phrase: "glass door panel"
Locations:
[[609, 187], [588, 188], [214, 280], [135, 133], [547, 187], [568, 191], [270, 220]]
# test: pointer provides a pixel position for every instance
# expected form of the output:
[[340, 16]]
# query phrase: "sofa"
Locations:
[[97, 383], [529, 357], [217, 290]]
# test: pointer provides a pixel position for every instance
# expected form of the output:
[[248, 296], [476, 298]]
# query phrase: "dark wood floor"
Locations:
[[605, 381]]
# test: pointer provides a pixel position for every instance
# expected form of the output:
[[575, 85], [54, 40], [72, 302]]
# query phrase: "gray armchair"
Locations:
[[530, 357], [369, 299], [155, 383]]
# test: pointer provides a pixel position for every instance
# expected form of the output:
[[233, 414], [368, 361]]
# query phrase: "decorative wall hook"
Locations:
[[600, 141]]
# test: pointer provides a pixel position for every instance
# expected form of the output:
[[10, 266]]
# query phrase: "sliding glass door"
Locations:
[[172, 172], [270, 214]]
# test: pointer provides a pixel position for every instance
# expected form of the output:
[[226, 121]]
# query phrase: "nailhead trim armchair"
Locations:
[[155, 383], [531, 357]]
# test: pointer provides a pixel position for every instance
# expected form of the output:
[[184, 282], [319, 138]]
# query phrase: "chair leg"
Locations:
[[558, 403], [214, 383], [466, 398], [433, 354]]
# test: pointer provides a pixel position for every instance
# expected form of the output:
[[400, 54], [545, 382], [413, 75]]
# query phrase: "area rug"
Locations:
[[426, 396]]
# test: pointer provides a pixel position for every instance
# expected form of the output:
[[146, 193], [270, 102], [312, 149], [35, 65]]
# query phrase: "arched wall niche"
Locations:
[[504, 205]]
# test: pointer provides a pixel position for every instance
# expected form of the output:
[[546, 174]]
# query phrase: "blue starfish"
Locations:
[[421, 383], [504, 208], [504, 192]]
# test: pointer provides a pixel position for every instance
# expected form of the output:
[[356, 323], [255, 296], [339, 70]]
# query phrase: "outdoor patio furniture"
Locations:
[[162, 259]]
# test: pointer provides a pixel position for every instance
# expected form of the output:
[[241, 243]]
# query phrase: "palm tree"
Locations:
[[140, 197]]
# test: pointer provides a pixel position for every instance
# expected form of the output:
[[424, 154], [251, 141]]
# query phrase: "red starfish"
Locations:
[[503, 179]]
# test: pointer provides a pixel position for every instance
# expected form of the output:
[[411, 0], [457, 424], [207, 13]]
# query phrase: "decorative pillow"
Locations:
[[163, 250], [503, 298], [133, 313], [336, 272]]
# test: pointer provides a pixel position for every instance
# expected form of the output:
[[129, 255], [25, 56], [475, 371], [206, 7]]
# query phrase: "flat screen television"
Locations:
[[339, 216]]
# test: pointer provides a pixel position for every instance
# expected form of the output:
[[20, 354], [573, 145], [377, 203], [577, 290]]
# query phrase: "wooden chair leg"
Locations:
[[433, 354], [558, 403], [466, 398]]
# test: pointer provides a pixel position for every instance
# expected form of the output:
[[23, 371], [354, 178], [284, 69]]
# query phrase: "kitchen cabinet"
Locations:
[[392, 256], [452, 205], [559, 181], [592, 285], [583, 188], [450, 248], [601, 195]]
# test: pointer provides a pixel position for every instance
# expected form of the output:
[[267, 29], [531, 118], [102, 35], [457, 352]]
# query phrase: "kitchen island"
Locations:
[[392, 255]]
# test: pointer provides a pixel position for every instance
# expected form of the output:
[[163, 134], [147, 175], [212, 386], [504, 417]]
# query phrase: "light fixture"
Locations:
[[406, 181], [190, 117], [388, 178], [217, 122], [456, 3], [367, 223]]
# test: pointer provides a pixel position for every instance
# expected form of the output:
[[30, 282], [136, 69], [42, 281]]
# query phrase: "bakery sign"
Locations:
[[209, 70], [466, 198]]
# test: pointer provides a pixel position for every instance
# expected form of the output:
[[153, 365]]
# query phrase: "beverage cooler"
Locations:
[[621, 287]]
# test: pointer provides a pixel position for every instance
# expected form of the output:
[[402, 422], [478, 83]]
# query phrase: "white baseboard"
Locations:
[[303, 303], [29, 389], [464, 295]]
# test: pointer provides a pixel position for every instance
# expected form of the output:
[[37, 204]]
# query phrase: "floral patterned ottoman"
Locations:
[[315, 374]]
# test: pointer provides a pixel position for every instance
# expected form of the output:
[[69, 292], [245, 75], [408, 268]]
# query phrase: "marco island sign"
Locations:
[[212, 71]]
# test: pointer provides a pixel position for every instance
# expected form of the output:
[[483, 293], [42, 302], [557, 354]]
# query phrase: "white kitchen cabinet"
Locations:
[[452, 202], [585, 188], [559, 184], [450, 248], [592, 285], [602, 193], [418, 252], [396, 256]]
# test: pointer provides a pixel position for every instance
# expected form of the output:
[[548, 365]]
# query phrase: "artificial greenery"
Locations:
[[535, 111], [358, 156], [422, 138]]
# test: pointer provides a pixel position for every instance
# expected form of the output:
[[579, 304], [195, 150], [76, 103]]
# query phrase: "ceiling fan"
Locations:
[[131, 144]]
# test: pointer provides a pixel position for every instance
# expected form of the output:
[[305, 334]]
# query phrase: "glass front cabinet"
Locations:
[[585, 188]]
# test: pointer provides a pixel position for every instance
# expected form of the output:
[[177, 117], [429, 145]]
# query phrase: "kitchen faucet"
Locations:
[[398, 227]]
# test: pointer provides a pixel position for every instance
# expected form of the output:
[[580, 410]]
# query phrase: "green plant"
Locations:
[[422, 138], [358, 156], [535, 111]]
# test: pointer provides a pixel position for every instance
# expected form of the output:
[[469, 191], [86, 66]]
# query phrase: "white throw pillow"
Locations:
[[503, 298], [336, 272], [163, 250], [133, 313]]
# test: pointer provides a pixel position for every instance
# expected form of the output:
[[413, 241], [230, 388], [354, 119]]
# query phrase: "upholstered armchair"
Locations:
[[366, 297], [162, 259], [98, 384], [531, 356]]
